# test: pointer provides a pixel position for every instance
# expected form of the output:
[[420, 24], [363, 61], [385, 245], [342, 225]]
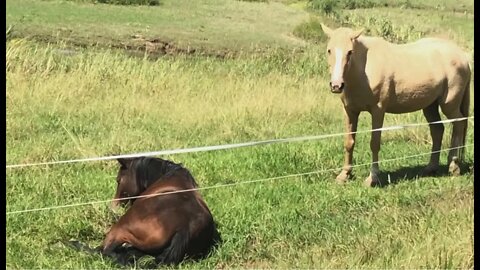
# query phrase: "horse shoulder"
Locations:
[[377, 69]]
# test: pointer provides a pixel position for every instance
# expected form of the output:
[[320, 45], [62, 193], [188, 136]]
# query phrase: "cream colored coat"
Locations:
[[374, 75]]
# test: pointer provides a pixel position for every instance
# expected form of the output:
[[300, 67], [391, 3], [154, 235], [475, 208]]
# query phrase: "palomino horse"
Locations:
[[374, 75], [169, 227]]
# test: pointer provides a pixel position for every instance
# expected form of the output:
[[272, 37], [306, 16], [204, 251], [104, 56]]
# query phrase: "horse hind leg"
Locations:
[[456, 153], [112, 247], [436, 132], [464, 109]]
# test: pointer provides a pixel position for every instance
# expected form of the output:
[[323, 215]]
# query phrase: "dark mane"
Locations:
[[149, 169]]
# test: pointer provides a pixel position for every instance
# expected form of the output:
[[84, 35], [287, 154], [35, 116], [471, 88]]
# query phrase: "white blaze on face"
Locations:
[[337, 69]]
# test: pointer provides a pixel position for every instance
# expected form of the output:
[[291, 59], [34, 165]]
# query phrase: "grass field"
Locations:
[[209, 26], [74, 92]]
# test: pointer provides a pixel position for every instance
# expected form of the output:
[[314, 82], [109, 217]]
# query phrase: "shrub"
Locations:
[[130, 2], [353, 4], [254, 0], [123, 2], [381, 26], [310, 31], [324, 6], [329, 6]]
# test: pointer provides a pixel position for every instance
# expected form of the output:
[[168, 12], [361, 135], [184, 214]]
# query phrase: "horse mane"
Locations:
[[148, 170]]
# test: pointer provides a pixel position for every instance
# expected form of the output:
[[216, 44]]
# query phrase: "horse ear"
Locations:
[[124, 162], [326, 29], [357, 33]]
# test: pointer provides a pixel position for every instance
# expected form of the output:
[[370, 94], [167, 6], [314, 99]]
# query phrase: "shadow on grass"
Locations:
[[415, 173]]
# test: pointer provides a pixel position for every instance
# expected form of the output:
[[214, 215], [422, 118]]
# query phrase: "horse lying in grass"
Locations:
[[169, 227], [377, 76]]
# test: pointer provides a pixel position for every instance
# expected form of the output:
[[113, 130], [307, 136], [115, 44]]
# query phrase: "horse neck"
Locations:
[[153, 169], [148, 173], [356, 73]]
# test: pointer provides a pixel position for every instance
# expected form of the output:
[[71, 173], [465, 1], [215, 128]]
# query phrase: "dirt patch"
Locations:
[[136, 45], [158, 47]]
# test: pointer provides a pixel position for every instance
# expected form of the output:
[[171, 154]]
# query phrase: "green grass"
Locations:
[[328, 6], [212, 25], [409, 25], [122, 2], [65, 103], [395, 24]]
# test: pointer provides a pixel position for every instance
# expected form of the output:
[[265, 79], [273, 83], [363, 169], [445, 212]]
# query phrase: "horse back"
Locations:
[[438, 53], [408, 77], [427, 59]]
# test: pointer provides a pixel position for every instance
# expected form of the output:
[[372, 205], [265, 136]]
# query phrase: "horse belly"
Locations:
[[405, 102], [413, 94]]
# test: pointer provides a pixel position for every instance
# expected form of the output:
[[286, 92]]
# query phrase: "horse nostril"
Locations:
[[331, 85], [342, 85]]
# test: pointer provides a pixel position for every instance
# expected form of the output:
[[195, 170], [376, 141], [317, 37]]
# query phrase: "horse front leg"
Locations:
[[377, 122], [351, 120]]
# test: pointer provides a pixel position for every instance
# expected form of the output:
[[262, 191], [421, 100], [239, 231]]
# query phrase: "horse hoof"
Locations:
[[372, 181], [343, 177], [454, 168], [341, 180]]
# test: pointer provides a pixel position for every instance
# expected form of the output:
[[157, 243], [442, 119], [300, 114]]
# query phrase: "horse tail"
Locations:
[[211, 239], [217, 237], [177, 249], [470, 57]]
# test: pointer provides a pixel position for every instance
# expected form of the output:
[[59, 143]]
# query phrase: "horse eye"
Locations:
[[349, 52], [328, 51]]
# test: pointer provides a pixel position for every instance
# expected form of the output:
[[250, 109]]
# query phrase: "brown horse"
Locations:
[[169, 227], [377, 76]]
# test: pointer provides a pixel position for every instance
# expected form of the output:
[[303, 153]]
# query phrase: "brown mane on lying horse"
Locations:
[[169, 227]]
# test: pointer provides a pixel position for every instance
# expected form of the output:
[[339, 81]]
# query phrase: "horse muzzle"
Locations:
[[337, 89]]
